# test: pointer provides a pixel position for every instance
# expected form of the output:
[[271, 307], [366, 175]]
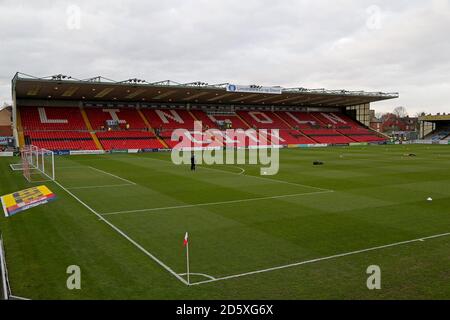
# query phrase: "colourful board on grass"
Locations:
[[25, 199]]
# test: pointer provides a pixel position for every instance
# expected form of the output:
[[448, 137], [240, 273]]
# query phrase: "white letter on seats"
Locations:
[[262, 114], [172, 115], [113, 114], [44, 119], [300, 121], [333, 118]]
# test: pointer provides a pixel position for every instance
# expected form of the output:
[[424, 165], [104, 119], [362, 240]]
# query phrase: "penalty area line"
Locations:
[[267, 179], [104, 186], [112, 175], [215, 203], [336, 256], [244, 175]]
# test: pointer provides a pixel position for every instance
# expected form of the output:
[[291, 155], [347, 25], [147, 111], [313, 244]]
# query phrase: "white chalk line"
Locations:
[[240, 173], [19, 298], [246, 175], [71, 167], [128, 183], [212, 279], [104, 186], [198, 274], [320, 259], [101, 171], [214, 203], [112, 175], [271, 180]]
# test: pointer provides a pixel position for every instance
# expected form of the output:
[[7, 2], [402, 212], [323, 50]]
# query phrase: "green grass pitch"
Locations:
[[251, 237]]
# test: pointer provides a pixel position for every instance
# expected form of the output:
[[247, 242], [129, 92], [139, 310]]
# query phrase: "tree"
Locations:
[[400, 112], [379, 115]]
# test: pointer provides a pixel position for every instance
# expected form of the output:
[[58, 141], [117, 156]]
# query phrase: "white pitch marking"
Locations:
[[321, 259], [269, 179], [105, 186], [112, 175], [198, 274], [250, 176], [19, 298], [214, 203], [123, 234]]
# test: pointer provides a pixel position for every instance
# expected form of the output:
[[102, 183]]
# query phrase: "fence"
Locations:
[[6, 289]]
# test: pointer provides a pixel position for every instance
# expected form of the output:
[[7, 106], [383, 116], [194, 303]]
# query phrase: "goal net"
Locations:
[[37, 164]]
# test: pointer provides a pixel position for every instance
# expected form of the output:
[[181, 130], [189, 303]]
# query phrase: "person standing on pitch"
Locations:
[[192, 162]]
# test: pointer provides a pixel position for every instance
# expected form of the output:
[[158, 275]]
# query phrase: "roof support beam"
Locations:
[[308, 100], [267, 99], [198, 95], [164, 95], [320, 102]]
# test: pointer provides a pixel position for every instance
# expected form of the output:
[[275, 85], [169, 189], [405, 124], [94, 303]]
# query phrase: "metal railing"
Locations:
[[6, 288]]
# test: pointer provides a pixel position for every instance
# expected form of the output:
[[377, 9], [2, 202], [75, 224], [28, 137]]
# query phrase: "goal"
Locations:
[[37, 164]]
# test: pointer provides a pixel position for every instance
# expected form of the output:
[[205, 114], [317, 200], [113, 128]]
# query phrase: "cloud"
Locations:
[[364, 45]]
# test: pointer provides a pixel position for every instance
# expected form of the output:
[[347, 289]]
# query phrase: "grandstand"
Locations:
[[435, 128], [122, 217], [64, 113]]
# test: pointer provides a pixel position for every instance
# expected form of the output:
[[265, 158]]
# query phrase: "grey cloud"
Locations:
[[321, 43]]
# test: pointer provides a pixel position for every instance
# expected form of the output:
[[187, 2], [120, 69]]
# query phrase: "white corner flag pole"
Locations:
[[187, 258]]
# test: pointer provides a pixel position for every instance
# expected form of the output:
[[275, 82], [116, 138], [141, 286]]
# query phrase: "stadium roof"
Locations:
[[435, 118], [62, 87]]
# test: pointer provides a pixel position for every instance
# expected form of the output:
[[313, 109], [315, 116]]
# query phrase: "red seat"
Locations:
[[263, 120], [129, 140], [169, 119], [64, 128], [99, 116], [55, 118], [211, 120], [61, 140]]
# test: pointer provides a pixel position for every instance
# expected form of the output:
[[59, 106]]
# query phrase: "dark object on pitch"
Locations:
[[411, 155], [318, 163]]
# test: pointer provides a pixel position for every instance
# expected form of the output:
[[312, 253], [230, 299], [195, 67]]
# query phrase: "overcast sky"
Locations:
[[393, 46]]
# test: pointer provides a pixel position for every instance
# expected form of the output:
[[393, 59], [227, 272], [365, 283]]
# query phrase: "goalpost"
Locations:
[[37, 164]]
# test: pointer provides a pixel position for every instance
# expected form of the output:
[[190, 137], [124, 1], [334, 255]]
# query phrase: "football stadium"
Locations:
[[92, 191]]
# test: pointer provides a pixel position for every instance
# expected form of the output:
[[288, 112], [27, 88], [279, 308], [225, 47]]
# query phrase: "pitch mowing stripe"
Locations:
[[250, 176], [215, 203], [123, 234], [104, 186], [320, 259], [268, 179], [112, 175]]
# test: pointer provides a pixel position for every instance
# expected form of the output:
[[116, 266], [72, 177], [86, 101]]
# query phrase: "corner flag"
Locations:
[[186, 245]]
